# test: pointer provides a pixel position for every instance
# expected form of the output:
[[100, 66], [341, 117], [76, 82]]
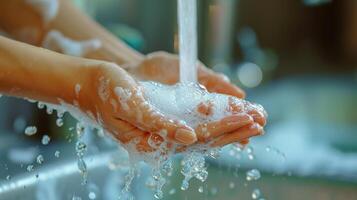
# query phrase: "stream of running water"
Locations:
[[187, 26]]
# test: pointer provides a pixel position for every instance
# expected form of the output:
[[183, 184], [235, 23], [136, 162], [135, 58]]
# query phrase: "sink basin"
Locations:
[[317, 159]]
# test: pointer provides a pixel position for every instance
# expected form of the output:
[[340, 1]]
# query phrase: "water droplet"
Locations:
[[49, 110], [81, 148], [251, 156], [268, 148], [82, 167], [167, 167], [214, 153], [249, 150], [30, 168], [37, 175], [59, 122], [256, 194], [8, 177], [253, 175], [92, 195], [79, 130], [158, 194], [40, 159], [30, 130], [200, 189], [76, 198], [184, 185], [40, 105], [45, 140], [57, 154]]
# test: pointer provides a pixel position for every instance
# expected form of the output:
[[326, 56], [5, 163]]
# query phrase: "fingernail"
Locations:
[[257, 129], [185, 136]]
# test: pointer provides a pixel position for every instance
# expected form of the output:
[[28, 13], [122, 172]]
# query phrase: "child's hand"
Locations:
[[164, 68]]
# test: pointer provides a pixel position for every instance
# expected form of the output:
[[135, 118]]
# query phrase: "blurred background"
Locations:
[[297, 58]]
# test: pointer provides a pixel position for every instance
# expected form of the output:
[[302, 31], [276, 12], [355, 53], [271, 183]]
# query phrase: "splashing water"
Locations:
[[92, 195], [30, 168], [81, 148], [57, 154], [256, 194], [40, 159], [76, 198], [253, 175], [200, 189], [45, 140], [59, 122], [193, 165], [30, 130]]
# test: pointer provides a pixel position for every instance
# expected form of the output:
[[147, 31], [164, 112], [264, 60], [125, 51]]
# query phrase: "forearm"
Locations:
[[71, 22], [76, 25], [31, 72]]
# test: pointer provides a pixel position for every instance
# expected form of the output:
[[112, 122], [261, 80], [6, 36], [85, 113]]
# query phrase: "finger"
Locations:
[[151, 142], [218, 83], [258, 113], [124, 131], [143, 145], [244, 142], [228, 124], [235, 105], [241, 134]]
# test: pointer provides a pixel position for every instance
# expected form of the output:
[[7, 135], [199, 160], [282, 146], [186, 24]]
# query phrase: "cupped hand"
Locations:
[[122, 109], [164, 68]]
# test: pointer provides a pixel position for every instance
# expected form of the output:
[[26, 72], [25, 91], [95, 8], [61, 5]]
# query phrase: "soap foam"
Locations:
[[56, 41], [181, 102], [47, 8]]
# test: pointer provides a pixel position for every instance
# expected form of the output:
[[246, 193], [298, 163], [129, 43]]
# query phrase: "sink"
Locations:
[[313, 155]]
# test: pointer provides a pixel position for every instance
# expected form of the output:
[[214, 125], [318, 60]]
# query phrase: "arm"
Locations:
[[31, 72], [74, 24], [29, 26], [39, 74]]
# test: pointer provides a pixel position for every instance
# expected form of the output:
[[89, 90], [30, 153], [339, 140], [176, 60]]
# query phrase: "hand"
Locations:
[[164, 68], [124, 112]]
